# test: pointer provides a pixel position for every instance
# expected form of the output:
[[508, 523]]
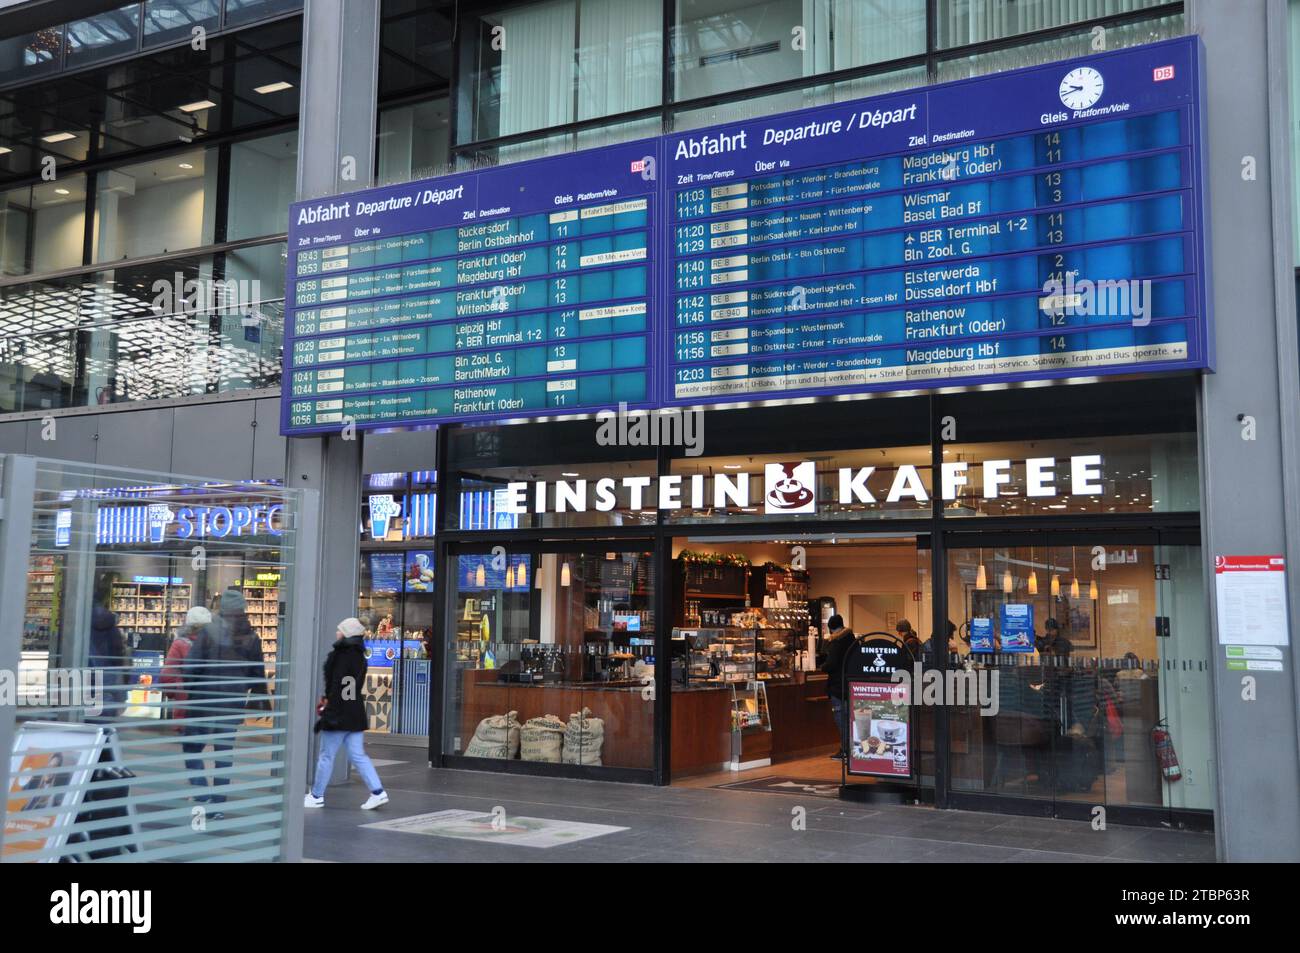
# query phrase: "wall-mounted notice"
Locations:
[[1043, 222], [1250, 593]]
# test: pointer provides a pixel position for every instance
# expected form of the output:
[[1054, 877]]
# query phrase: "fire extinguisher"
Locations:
[[1165, 753]]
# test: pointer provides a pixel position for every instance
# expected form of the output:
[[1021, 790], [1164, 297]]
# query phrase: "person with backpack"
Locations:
[[227, 673], [342, 720], [172, 680]]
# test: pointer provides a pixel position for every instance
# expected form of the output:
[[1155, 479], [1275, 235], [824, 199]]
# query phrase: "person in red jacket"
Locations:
[[173, 682]]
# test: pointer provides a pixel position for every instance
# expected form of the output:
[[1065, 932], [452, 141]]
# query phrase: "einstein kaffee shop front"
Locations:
[[653, 603]]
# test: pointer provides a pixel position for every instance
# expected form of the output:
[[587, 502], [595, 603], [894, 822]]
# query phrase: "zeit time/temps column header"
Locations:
[[1046, 222]]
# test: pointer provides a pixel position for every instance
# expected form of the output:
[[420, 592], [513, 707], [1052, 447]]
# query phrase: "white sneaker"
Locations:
[[375, 800], [312, 801]]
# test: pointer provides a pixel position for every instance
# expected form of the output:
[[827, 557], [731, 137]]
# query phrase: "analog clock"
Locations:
[[1082, 87]]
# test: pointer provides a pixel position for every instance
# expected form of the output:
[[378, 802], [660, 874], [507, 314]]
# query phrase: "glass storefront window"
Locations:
[[547, 64], [1089, 647], [720, 46], [43, 227], [156, 207], [549, 655]]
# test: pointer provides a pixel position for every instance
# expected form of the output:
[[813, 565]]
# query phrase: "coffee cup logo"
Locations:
[[790, 487]]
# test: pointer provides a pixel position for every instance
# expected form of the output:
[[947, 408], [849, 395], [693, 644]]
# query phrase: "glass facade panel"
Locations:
[[719, 46], [166, 21], [156, 207], [43, 227], [266, 172], [961, 22], [104, 36], [144, 332], [414, 140], [547, 64], [31, 55]]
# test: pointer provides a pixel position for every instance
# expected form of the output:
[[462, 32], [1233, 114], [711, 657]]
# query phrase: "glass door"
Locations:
[[1088, 645]]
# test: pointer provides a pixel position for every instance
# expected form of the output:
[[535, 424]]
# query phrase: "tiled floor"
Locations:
[[685, 824]]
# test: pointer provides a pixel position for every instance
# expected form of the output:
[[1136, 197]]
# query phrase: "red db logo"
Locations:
[[1162, 73]]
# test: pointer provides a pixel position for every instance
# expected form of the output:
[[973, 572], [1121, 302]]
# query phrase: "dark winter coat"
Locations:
[[227, 653], [836, 654], [345, 687]]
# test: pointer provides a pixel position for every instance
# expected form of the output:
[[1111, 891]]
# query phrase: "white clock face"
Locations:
[[1082, 87]]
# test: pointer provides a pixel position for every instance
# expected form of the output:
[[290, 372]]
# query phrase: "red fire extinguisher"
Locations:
[[1165, 753]]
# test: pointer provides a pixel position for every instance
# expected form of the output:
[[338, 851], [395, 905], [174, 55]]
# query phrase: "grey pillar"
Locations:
[[336, 153], [1250, 503]]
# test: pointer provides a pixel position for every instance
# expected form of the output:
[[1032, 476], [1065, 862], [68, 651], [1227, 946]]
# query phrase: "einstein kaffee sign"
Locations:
[[794, 487]]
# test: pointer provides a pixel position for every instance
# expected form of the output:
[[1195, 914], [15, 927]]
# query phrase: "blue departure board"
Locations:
[[510, 292], [1045, 222], [1039, 223]]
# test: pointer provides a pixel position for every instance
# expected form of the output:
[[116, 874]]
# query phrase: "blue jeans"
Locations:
[[195, 765], [841, 712], [330, 742]]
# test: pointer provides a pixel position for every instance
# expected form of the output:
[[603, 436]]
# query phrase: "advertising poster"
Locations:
[[880, 730], [1017, 627], [46, 757], [981, 635], [381, 652], [143, 698], [386, 572], [419, 571]]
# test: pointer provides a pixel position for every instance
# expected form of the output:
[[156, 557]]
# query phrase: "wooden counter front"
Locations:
[[802, 722], [629, 719], [701, 731]]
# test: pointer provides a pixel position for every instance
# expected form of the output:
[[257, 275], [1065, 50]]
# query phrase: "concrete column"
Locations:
[[336, 153], [1249, 487]]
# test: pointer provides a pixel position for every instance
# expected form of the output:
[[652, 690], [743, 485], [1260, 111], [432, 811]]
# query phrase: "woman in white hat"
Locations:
[[343, 716]]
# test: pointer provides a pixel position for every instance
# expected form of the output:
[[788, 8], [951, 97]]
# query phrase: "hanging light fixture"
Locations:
[[1074, 584], [537, 578], [480, 577], [510, 576], [1033, 583], [1007, 582], [521, 574], [1056, 584], [564, 575], [1092, 590], [981, 579]]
